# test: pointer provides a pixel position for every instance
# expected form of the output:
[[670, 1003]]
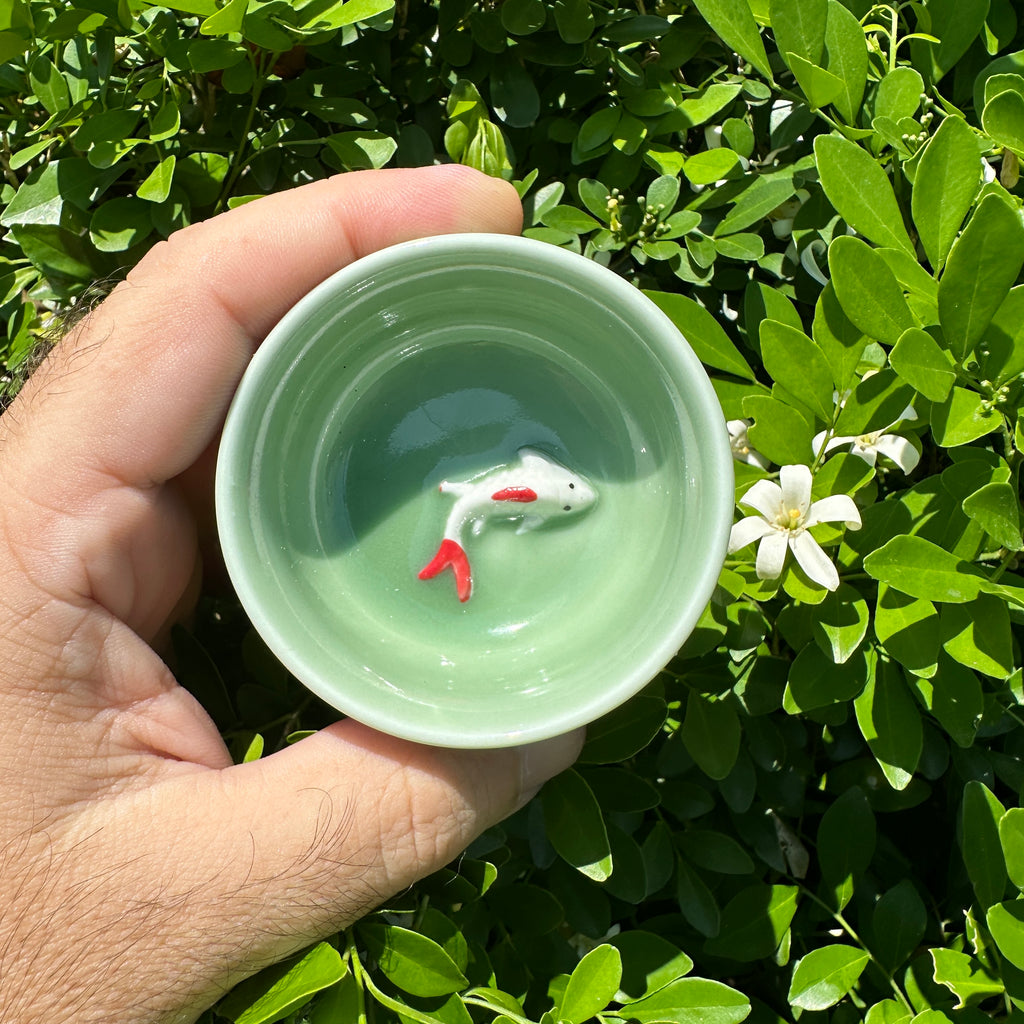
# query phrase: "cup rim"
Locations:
[[669, 345]]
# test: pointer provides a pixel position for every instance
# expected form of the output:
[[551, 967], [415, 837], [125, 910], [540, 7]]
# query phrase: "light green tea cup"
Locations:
[[437, 361]]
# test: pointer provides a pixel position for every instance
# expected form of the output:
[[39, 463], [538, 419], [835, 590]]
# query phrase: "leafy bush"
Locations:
[[812, 812]]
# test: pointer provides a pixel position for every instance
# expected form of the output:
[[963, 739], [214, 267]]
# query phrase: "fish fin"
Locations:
[[450, 553], [533, 457], [477, 527], [523, 494], [529, 523], [452, 487]]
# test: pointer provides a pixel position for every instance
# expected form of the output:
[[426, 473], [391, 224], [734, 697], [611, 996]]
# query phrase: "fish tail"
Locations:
[[451, 553]]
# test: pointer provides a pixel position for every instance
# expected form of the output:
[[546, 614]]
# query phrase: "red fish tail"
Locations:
[[450, 553]]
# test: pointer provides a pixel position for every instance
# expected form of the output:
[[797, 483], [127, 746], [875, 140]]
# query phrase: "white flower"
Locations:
[[785, 514], [741, 449], [879, 442]]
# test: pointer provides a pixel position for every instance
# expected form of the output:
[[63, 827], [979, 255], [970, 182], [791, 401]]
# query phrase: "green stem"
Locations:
[[845, 925], [356, 967], [473, 1000], [237, 161]]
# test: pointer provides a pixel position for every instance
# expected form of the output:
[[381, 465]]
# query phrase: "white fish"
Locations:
[[532, 489]]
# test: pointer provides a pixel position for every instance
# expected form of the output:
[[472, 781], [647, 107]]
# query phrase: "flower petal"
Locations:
[[868, 452], [746, 531], [834, 509], [766, 497], [796, 488], [737, 427], [771, 555], [814, 561], [900, 450], [754, 458]]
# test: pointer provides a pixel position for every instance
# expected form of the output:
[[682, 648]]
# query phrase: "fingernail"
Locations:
[[539, 762]]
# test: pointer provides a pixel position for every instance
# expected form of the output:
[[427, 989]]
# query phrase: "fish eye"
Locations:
[[572, 487], [567, 508]]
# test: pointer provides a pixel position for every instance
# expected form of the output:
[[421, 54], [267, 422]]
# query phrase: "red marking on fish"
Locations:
[[515, 494], [451, 553]]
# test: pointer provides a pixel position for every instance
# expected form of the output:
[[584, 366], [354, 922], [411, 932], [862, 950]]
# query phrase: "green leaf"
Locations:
[[980, 844], [890, 723], [898, 922], [280, 990], [825, 975], [625, 731], [846, 837], [742, 246], [49, 85], [996, 508], [908, 629], [714, 851], [962, 418], [575, 825], [953, 695], [841, 623], [868, 291], [1003, 120], [876, 402], [922, 569], [947, 180], [360, 150], [120, 223], [818, 85], [165, 122], [779, 432], [1011, 838], [339, 14], [977, 635], [528, 910], [592, 985], [956, 24], [649, 963], [705, 335], [982, 266], [967, 979], [814, 681], [413, 962], [764, 194], [574, 19], [899, 93], [840, 340], [799, 27], [711, 734], [696, 901], [523, 17], [793, 361], [846, 57], [754, 922], [570, 219], [733, 21], [157, 185], [227, 20], [1001, 349], [43, 195], [710, 165], [1006, 923], [923, 364], [690, 1001], [861, 192]]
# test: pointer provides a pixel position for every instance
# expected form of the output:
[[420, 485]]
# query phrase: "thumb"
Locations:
[[329, 828]]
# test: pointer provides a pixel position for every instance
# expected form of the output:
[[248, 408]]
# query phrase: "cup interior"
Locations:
[[439, 360]]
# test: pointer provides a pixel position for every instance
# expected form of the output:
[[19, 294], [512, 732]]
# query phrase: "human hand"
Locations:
[[141, 874]]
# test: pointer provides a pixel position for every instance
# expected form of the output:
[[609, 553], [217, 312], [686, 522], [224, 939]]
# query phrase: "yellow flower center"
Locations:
[[789, 519]]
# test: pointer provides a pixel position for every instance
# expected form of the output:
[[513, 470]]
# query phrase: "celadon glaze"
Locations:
[[439, 360]]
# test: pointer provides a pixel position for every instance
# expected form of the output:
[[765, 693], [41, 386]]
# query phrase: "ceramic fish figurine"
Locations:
[[532, 489]]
